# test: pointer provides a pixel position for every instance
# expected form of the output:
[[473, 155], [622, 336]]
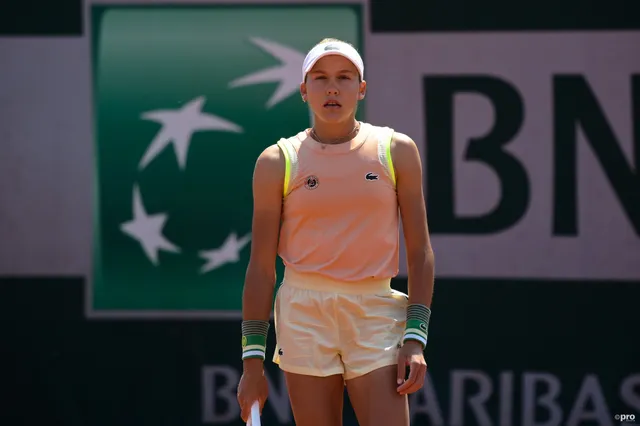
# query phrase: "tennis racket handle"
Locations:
[[254, 418]]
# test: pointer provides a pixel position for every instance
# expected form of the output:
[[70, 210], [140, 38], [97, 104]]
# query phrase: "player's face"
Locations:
[[332, 89]]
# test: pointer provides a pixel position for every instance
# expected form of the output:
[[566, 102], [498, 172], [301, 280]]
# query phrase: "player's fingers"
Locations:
[[263, 396], [406, 386], [413, 374], [244, 413], [240, 399], [420, 369], [245, 409]]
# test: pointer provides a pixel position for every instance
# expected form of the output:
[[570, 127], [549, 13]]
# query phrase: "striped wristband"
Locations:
[[254, 339], [417, 324]]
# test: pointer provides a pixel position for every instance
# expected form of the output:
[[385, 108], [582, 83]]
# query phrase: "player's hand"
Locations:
[[411, 355], [252, 387]]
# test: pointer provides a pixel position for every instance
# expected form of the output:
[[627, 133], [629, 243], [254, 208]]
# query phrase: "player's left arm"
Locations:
[[420, 258]]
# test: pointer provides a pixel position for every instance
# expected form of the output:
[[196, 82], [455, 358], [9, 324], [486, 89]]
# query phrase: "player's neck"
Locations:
[[335, 132]]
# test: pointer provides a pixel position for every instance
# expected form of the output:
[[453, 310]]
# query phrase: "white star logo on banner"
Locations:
[[228, 252], [178, 126], [287, 73], [147, 229]]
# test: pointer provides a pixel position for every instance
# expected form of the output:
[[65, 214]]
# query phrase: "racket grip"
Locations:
[[254, 418]]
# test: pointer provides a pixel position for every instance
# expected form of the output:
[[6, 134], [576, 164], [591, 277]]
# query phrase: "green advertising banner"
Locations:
[[186, 98]]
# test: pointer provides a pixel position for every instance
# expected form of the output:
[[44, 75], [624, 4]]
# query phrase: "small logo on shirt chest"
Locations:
[[371, 176], [311, 182]]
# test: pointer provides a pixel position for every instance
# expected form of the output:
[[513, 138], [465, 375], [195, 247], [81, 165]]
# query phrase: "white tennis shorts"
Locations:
[[324, 327]]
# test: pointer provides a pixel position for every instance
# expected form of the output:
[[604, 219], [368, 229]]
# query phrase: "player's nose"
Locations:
[[332, 90]]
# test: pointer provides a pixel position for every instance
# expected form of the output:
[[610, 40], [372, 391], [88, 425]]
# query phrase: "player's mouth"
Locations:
[[332, 105]]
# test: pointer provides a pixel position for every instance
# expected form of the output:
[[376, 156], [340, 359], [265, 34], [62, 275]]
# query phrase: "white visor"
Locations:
[[332, 48]]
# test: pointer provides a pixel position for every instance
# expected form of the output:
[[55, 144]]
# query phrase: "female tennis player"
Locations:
[[327, 201]]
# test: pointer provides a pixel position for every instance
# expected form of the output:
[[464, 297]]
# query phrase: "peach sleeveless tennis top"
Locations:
[[340, 210]]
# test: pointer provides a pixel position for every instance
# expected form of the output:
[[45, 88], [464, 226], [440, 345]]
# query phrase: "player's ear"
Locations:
[[303, 91], [363, 90]]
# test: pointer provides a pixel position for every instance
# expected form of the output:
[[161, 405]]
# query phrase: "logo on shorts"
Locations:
[[371, 176], [311, 182]]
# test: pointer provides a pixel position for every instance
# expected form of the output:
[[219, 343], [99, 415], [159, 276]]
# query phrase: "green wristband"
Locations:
[[254, 339], [417, 327]]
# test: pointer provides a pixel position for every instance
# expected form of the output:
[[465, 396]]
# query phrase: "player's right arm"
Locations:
[[260, 280]]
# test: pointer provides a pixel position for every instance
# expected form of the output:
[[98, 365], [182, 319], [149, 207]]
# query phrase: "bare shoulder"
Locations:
[[404, 151], [270, 164], [402, 139], [271, 157]]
